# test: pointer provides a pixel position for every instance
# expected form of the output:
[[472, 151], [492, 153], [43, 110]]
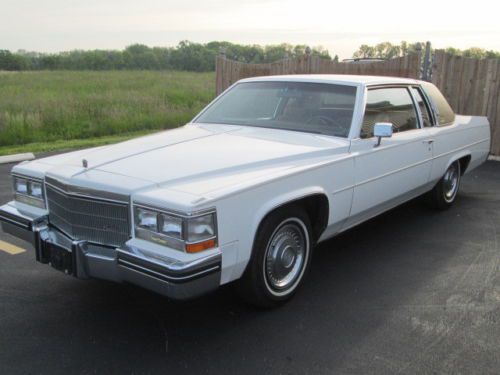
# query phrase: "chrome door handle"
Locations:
[[429, 141]]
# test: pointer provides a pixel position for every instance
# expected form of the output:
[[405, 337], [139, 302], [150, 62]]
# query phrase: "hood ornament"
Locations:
[[85, 163]]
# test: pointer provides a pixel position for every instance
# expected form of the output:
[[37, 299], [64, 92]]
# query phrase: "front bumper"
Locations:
[[167, 276]]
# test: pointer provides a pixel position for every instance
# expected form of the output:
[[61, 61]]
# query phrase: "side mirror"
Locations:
[[382, 130]]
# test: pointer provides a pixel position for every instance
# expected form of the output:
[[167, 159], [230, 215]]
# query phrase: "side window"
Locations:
[[393, 105], [426, 116], [445, 114]]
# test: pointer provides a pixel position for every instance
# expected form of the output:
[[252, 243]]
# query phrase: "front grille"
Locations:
[[88, 218]]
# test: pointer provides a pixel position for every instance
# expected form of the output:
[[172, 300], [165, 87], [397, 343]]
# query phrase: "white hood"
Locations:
[[191, 153]]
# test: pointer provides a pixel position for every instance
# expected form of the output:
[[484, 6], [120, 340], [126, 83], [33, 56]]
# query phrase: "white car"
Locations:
[[245, 191]]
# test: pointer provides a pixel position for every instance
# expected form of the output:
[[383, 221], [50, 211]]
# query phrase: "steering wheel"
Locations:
[[325, 120]]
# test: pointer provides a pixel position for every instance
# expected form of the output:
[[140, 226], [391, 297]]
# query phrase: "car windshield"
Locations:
[[301, 106]]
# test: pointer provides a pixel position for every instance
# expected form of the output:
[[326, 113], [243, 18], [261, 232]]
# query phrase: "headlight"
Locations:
[[29, 191], [36, 190], [171, 226], [21, 185], [200, 228], [181, 232], [146, 219]]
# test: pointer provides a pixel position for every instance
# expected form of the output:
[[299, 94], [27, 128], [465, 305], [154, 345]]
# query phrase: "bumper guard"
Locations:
[[167, 276]]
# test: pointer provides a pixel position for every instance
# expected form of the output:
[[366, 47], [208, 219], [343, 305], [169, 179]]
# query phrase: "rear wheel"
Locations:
[[280, 258], [445, 192]]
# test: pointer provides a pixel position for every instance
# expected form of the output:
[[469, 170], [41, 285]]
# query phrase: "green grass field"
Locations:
[[45, 111]]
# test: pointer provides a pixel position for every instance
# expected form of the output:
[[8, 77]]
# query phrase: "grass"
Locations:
[[47, 111], [72, 144]]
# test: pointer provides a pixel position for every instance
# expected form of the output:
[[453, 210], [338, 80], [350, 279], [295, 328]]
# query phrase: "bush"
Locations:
[[185, 56]]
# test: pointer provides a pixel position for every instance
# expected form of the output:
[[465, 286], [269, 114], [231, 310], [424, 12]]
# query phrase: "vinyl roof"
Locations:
[[335, 78]]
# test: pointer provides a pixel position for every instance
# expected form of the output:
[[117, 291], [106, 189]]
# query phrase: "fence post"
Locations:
[[426, 73], [308, 60], [220, 70]]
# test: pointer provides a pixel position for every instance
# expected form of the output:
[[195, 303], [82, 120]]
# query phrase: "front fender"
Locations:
[[244, 253], [281, 200]]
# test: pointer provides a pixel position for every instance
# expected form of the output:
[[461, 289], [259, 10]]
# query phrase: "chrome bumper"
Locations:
[[166, 276]]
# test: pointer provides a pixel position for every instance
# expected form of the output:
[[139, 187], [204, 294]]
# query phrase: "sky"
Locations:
[[340, 26]]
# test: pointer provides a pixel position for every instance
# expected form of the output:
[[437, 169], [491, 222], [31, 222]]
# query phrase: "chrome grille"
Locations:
[[88, 218]]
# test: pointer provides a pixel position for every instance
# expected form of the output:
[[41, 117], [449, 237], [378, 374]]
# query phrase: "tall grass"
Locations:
[[54, 106]]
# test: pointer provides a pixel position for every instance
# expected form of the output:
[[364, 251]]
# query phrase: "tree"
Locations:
[[10, 61], [364, 51], [492, 54], [322, 52], [474, 52], [453, 51], [387, 50]]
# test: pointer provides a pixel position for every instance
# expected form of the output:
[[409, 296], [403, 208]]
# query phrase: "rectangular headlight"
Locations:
[[29, 191], [146, 219], [200, 228], [36, 189], [181, 232], [171, 226], [21, 185]]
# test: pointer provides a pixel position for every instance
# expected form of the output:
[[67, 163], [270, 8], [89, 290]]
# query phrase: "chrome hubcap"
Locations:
[[285, 256], [450, 182]]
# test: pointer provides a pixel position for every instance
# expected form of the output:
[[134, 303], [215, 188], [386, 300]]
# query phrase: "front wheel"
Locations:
[[280, 258], [445, 192]]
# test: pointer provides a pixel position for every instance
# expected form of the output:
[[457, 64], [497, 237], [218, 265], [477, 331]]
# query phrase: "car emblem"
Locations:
[[85, 163]]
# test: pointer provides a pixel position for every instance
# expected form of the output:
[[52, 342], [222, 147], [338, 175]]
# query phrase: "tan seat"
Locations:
[[370, 119]]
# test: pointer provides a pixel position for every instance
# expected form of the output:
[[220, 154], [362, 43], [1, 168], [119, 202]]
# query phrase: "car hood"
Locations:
[[191, 153]]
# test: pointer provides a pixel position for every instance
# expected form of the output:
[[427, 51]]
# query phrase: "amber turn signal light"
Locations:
[[200, 246]]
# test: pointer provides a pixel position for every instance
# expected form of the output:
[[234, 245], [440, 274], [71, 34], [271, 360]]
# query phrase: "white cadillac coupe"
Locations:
[[245, 191]]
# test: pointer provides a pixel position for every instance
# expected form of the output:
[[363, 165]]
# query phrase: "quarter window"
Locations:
[[392, 105], [426, 117], [445, 114]]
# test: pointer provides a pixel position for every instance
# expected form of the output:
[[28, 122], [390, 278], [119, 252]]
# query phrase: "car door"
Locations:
[[399, 168]]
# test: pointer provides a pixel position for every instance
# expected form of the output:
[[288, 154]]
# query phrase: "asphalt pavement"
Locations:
[[414, 291]]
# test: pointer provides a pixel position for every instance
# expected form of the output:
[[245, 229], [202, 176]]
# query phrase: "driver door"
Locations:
[[399, 168]]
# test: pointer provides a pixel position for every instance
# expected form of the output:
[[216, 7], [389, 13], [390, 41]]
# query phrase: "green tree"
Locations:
[[492, 54], [364, 51], [474, 52], [185, 56], [387, 50], [10, 61]]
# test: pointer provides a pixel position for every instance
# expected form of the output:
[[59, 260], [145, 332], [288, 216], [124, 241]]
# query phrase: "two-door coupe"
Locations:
[[244, 192]]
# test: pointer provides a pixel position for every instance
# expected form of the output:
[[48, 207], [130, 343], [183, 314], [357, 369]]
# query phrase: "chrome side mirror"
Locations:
[[382, 130]]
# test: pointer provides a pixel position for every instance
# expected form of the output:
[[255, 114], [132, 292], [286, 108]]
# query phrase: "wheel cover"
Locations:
[[286, 256], [451, 182]]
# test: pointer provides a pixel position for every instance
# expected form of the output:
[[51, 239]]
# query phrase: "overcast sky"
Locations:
[[59, 25]]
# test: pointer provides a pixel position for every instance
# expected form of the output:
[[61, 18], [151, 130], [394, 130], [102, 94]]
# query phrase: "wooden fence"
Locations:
[[228, 71], [472, 86]]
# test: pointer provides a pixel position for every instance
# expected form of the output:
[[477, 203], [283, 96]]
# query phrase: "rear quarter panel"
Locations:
[[468, 135]]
